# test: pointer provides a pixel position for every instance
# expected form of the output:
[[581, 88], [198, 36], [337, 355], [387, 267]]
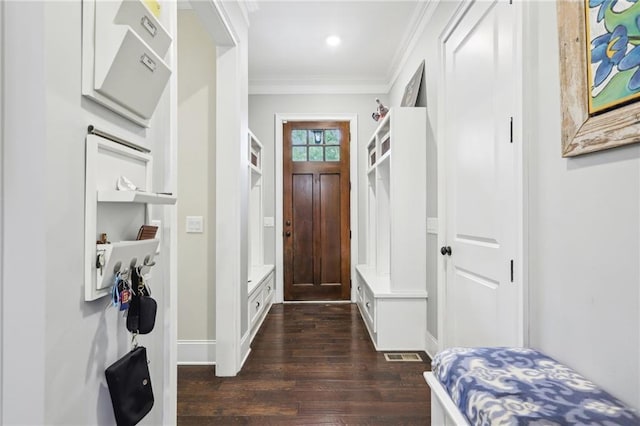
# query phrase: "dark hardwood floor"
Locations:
[[310, 364]]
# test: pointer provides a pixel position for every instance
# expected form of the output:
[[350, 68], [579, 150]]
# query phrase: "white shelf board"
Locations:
[[257, 274], [384, 158], [114, 196], [383, 123], [371, 144], [380, 285], [255, 170], [254, 140]]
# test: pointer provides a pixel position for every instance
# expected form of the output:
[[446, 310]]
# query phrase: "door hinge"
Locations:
[[349, 234], [511, 270], [510, 129], [349, 186], [350, 283]]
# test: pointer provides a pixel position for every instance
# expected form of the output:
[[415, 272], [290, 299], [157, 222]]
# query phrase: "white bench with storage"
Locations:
[[516, 386]]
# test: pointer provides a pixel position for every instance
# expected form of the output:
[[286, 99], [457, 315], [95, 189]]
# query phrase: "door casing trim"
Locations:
[[280, 119]]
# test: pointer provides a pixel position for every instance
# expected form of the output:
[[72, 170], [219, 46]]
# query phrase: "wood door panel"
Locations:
[[330, 254], [317, 249], [302, 230]]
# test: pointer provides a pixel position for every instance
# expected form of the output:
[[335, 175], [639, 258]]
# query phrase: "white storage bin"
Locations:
[[135, 78], [140, 19], [124, 47]]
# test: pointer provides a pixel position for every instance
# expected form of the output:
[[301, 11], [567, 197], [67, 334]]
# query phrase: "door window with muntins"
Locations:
[[315, 145]]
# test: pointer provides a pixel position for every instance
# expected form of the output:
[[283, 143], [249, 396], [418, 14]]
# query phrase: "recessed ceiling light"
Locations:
[[333, 40]]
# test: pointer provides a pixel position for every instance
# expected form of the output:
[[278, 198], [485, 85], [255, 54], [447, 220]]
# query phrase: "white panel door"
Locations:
[[482, 302]]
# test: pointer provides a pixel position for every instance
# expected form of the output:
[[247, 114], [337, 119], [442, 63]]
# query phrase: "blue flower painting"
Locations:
[[613, 34]]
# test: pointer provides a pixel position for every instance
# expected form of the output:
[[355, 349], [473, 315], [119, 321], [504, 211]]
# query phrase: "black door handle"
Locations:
[[445, 250]]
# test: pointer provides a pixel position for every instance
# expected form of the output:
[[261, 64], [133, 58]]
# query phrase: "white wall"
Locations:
[[56, 346], [584, 235], [196, 179], [24, 216], [1, 188], [584, 220], [262, 110]]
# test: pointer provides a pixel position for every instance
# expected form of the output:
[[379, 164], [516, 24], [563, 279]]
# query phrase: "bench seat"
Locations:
[[520, 386]]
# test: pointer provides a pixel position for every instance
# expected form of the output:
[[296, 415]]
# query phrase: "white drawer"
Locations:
[[256, 305], [359, 292], [369, 304], [268, 290]]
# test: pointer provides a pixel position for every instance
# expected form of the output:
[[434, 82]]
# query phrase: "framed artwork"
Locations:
[[599, 44], [413, 87]]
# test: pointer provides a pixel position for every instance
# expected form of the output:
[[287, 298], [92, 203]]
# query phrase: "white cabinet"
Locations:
[[256, 216], [261, 290], [260, 276], [391, 286]]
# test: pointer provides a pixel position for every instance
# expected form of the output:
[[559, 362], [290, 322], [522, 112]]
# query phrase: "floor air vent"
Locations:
[[403, 357]]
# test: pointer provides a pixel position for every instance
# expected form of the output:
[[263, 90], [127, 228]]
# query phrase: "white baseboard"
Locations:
[[245, 347], [196, 352], [431, 345]]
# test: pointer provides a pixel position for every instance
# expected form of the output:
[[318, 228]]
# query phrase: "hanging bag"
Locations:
[[141, 316], [129, 385]]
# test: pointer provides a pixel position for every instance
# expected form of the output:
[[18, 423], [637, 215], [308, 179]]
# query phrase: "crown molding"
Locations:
[[318, 89], [421, 24], [412, 29], [244, 10], [252, 5]]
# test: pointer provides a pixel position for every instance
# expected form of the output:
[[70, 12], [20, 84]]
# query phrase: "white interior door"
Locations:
[[482, 302]]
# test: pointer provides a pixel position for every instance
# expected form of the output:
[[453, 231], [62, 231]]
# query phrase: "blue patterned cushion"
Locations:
[[519, 386]]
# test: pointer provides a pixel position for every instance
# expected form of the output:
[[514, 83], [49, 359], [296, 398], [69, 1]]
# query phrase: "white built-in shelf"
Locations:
[[257, 274], [260, 277], [114, 196], [383, 158], [391, 287], [255, 170], [384, 125]]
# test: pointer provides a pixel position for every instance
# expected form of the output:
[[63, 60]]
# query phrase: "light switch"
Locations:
[[195, 224], [432, 225], [269, 222]]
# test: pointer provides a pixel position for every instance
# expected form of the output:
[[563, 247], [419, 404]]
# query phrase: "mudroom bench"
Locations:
[[516, 386]]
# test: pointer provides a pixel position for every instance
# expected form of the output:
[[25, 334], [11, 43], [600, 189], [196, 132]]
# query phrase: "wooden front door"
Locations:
[[316, 218]]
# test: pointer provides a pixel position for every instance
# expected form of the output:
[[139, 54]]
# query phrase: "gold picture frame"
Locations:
[[582, 133]]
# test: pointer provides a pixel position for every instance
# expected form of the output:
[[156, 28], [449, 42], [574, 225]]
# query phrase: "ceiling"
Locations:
[[288, 52]]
